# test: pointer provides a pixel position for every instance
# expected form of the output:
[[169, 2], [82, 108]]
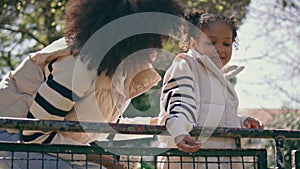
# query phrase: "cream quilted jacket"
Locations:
[[215, 104]]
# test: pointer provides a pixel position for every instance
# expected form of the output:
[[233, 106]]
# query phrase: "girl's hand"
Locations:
[[188, 144], [251, 122]]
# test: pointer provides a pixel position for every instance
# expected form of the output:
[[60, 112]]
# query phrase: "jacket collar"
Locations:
[[208, 64], [224, 74], [229, 71]]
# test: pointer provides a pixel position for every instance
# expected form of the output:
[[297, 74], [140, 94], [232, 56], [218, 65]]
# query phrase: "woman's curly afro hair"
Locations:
[[85, 17]]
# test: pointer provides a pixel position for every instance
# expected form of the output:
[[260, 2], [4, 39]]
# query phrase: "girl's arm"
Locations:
[[179, 103]]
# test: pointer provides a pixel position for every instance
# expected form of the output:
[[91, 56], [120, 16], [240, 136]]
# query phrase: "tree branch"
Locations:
[[282, 90], [24, 31]]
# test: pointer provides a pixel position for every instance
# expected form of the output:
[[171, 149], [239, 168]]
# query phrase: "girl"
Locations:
[[196, 89]]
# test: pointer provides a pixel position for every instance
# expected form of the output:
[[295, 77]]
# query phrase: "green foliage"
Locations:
[[237, 8], [27, 26]]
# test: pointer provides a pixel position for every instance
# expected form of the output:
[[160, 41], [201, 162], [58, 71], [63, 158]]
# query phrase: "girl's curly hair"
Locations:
[[85, 17], [201, 20]]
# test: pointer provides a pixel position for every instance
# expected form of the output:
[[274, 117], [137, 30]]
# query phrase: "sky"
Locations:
[[251, 86]]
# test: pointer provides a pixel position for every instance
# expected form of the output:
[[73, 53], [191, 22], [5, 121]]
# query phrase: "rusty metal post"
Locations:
[[297, 159], [21, 136], [238, 142], [279, 152]]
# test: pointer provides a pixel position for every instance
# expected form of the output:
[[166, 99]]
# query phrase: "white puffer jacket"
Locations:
[[197, 93]]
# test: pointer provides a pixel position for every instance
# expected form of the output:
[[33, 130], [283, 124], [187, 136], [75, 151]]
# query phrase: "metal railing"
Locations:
[[248, 158], [254, 158]]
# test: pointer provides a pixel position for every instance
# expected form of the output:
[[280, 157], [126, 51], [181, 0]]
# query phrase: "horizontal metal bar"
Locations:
[[75, 126], [148, 151], [249, 133], [90, 127]]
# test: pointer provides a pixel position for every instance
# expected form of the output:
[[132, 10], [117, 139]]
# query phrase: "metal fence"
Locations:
[[34, 156], [29, 156]]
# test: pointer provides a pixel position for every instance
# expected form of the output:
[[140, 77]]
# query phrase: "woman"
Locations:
[[68, 81]]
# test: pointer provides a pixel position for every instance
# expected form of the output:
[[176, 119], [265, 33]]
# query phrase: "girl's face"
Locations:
[[215, 42]]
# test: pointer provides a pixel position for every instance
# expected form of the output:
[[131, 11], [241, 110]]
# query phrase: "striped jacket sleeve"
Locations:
[[178, 98], [54, 99]]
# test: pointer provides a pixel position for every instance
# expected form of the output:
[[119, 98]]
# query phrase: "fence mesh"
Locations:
[[31, 156]]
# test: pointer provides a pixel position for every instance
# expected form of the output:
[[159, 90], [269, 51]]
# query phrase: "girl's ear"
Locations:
[[193, 43]]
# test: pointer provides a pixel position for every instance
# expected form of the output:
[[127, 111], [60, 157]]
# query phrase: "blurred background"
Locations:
[[269, 47]]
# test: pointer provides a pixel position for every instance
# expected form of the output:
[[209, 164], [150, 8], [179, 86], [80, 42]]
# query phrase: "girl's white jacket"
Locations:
[[197, 93]]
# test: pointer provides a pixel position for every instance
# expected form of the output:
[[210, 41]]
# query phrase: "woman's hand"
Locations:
[[188, 144], [106, 160], [154, 121], [253, 123]]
